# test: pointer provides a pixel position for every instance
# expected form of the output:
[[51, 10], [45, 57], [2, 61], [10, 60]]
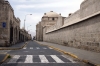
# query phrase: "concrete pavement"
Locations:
[[14, 47], [4, 55], [86, 56], [34, 54]]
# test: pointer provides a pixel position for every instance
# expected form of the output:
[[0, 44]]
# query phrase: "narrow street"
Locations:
[[37, 55]]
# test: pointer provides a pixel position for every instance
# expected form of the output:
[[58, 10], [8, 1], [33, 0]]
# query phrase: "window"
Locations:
[[53, 19]]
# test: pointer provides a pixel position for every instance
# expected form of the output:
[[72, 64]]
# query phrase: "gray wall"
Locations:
[[84, 35], [89, 7]]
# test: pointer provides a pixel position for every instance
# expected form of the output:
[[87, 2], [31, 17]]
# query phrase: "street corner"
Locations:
[[4, 57]]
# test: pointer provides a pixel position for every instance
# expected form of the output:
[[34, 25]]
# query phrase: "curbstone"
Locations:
[[5, 58], [14, 48], [70, 54]]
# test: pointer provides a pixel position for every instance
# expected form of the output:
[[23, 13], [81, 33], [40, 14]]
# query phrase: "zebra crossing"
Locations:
[[37, 48], [40, 59]]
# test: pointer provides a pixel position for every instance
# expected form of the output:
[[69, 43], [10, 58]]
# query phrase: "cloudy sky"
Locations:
[[38, 7]]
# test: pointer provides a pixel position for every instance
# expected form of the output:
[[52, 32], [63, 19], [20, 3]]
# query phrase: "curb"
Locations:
[[70, 54], [14, 48], [5, 58]]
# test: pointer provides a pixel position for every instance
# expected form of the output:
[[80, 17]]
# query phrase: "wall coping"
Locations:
[[69, 24]]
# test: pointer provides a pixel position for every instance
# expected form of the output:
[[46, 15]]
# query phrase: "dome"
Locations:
[[51, 14]]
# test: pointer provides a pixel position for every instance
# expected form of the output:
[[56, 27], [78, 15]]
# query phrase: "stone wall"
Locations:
[[12, 25], [39, 32], [3, 18], [59, 23], [80, 29], [89, 7], [84, 35], [72, 18]]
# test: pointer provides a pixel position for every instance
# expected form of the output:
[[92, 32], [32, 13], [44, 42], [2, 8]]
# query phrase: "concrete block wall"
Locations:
[[82, 35]]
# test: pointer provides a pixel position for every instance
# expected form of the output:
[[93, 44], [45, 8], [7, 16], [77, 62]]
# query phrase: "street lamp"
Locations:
[[25, 19]]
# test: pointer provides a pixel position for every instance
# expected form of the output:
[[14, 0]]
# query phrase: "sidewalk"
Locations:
[[14, 47], [4, 56], [89, 56]]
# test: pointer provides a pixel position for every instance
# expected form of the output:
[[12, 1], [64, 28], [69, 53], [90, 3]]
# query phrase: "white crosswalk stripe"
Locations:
[[44, 48], [58, 60], [50, 48], [42, 58], [37, 48], [31, 47], [24, 48], [14, 59], [29, 59], [68, 59]]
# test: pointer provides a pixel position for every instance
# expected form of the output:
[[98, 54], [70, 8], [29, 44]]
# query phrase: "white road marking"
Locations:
[[24, 48], [44, 48], [37, 48], [29, 59], [68, 59], [50, 48], [31, 47], [58, 60], [43, 59], [14, 59]]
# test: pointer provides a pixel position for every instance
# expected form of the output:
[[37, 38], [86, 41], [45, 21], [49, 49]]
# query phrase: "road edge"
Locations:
[[70, 54], [5, 58], [14, 48]]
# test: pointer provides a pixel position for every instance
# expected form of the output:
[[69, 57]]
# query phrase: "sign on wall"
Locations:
[[3, 24]]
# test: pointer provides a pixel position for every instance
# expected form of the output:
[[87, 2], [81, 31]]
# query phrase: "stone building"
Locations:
[[23, 35], [1, 1], [48, 19], [80, 29], [9, 25]]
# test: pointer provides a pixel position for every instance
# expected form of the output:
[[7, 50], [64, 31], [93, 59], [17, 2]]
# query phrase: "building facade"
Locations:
[[80, 29], [48, 19], [10, 32]]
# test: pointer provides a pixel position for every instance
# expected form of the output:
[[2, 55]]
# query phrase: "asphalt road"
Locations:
[[38, 55]]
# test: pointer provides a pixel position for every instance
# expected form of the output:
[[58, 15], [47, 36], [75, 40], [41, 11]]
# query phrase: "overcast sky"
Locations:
[[38, 7]]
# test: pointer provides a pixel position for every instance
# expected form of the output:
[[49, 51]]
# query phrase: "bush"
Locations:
[[9, 56]]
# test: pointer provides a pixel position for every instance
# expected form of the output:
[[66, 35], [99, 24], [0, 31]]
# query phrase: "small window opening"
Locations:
[[53, 19]]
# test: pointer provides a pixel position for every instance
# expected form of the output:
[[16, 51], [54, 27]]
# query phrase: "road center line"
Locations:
[[31, 47], [37, 47]]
